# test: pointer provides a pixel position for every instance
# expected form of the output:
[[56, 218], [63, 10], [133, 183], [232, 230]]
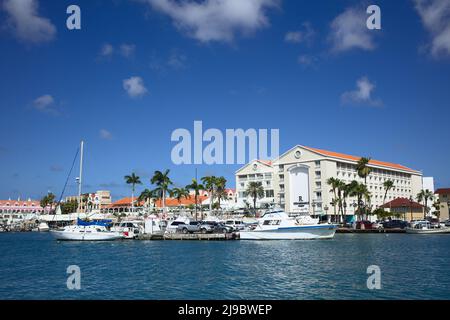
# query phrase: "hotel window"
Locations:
[[317, 163], [269, 194]]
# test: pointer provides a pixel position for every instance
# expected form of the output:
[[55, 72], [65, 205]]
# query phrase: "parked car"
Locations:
[[173, 226], [235, 224], [365, 224], [195, 226], [219, 227], [377, 225], [446, 223], [395, 224], [434, 222]]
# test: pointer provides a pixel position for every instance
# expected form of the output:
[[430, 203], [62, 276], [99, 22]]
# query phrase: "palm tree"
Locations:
[[334, 182], [340, 193], [388, 185], [162, 182], [423, 196], [179, 193], [51, 199], [255, 190], [133, 180], [210, 185], [221, 192], [44, 202], [196, 187], [346, 190], [360, 191], [145, 196], [363, 169]]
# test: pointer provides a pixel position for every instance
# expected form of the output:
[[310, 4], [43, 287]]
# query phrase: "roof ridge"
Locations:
[[356, 158]]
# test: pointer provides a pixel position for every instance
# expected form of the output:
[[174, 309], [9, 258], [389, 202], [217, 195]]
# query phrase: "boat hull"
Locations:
[[85, 236], [292, 233], [428, 231]]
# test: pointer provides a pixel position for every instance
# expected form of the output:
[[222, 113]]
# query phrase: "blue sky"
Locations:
[[309, 68]]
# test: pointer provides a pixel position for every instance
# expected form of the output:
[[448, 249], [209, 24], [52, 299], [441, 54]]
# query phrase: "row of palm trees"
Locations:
[[215, 186], [341, 191]]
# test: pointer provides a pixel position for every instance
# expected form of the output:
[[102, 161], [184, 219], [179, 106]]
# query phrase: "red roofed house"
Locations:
[[407, 209], [444, 203]]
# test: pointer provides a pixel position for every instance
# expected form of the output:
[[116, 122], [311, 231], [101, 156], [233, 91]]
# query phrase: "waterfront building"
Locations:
[[297, 180], [18, 210], [95, 201], [406, 209], [443, 198]]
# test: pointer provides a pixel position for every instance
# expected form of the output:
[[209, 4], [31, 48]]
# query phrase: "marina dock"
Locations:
[[190, 236]]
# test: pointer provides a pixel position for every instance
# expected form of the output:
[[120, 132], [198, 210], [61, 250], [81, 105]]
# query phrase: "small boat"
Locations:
[[278, 225], [43, 227], [129, 229], [425, 227], [85, 233]]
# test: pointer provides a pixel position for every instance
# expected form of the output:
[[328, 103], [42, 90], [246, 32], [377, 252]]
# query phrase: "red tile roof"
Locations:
[[266, 162], [124, 202], [402, 202], [355, 158], [443, 191], [171, 202]]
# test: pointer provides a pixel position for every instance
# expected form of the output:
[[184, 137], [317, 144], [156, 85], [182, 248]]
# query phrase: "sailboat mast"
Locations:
[[81, 175]]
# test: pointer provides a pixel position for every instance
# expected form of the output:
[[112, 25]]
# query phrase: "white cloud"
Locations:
[[176, 60], [435, 15], [216, 20], [349, 31], [46, 104], [362, 94], [105, 134], [127, 50], [304, 35], [306, 59], [24, 21], [106, 50], [134, 86]]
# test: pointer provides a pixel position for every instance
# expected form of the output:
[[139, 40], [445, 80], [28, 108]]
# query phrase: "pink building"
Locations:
[[21, 206]]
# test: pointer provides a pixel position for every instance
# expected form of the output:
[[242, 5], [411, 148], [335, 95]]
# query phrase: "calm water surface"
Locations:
[[33, 266]]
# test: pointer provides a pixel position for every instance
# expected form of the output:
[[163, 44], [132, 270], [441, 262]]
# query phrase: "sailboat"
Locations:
[[84, 230]]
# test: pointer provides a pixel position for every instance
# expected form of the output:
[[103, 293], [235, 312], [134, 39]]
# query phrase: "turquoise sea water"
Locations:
[[33, 266]]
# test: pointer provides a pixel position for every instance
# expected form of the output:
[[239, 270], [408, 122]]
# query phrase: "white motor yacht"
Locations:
[[278, 225], [425, 227]]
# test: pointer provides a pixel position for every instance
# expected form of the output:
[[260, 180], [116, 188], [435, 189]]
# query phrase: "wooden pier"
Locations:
[[190, 236]]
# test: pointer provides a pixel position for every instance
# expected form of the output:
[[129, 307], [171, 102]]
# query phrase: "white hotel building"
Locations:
[[297, 180]]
